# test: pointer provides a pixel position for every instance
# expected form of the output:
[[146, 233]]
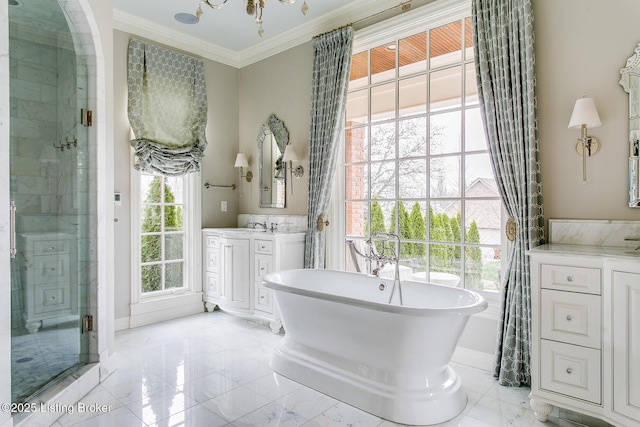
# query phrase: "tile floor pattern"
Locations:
[[212, 370], [37, 358]]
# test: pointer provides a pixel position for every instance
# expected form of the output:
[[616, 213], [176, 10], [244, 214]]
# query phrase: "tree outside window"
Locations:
[[162, 234], [416, 159]]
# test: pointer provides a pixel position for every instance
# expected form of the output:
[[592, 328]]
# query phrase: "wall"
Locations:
[[580, 48], [217, 165], [280, 84], [569, 63]]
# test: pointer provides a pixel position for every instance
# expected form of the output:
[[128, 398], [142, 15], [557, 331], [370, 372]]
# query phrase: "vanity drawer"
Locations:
[[263, 265], [573, 279], [51, 269], [212, 260], [571, 370], [51, 247], [52, 298], [571, 317], [264, 247], [212, 285], [264, 299], [212, 241]]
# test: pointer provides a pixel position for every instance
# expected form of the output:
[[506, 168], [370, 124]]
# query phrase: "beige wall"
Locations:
[[580, 48], [217, 166], [280, 85], [569, 63]]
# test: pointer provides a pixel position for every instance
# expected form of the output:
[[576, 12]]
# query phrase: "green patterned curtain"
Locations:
[[167, 109], [331, 67], [504, 58]]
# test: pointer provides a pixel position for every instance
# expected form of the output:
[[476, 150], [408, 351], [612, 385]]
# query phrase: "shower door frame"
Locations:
[[81, 14]]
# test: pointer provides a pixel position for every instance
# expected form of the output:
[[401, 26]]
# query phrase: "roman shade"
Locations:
[[167, 109]]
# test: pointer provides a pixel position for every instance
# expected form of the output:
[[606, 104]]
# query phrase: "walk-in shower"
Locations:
[[52, 187]]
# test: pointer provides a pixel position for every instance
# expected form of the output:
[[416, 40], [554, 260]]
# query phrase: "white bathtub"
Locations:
[[344, 340]]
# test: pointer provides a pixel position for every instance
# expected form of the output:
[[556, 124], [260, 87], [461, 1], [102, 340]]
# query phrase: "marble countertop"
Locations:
[[587, 250], [250, 231]]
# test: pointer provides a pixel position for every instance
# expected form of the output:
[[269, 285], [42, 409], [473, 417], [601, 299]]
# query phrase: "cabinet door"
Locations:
[[237, 283], [626, 343]]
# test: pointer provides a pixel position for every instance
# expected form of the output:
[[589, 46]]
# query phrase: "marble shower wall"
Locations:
[[43, 113]]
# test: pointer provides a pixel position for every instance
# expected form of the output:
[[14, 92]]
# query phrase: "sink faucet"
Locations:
[[273, 227], [261, 224]]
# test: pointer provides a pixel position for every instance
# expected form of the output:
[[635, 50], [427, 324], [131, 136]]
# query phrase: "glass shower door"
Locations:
[[49, 185]]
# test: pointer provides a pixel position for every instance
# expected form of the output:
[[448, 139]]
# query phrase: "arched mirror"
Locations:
[[630, 81], [272, 140]]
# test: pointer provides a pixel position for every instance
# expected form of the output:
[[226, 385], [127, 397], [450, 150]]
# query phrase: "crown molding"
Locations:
[[143, 28], [351, 12]]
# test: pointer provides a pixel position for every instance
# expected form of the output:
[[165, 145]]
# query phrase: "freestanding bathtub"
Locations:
[[343, 339]]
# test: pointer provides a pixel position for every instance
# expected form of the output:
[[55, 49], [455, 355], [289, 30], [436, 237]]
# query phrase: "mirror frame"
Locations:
[[273, 126], [630, 81]]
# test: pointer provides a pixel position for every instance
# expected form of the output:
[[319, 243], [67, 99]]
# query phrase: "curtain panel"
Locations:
[[331, 68], [167, 109], [504, 57]]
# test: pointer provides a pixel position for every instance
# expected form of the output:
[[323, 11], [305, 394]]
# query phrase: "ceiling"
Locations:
[[230, 36]]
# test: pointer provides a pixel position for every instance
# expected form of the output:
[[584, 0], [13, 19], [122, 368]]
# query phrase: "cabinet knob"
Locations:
[[569, 371], [569, 318], [569, 279], [51, 248]]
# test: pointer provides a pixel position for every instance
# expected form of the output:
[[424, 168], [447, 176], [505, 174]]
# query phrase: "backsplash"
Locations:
[[594, 232], [284, 222]]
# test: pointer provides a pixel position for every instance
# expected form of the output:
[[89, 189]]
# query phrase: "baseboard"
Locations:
[[159, 310], [122, 323], [474, 358]]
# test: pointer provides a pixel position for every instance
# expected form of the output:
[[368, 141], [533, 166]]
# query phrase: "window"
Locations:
[[416, 162], [165, 240], [161, 233]]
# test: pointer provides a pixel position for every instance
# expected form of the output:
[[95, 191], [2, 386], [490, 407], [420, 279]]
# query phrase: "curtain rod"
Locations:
[[405, 5]]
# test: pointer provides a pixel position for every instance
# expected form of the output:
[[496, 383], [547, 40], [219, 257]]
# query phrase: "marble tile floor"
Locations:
[[211, 370], [38, 357]]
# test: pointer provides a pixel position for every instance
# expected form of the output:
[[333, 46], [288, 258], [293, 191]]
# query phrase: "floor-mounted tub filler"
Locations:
[[344, 339]]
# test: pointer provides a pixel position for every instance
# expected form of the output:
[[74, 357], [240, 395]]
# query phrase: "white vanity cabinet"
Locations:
[[624, 281], [236, 294], [235, 261], [585, 311], [211, 262], [46, 277]]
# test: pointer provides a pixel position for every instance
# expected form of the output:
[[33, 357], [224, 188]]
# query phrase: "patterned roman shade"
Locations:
[[167, 109]]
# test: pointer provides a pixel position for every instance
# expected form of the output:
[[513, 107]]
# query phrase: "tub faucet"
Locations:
[[385, 254]]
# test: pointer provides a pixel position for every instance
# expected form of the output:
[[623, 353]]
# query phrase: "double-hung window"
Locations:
[[165, 244], [415, 157]]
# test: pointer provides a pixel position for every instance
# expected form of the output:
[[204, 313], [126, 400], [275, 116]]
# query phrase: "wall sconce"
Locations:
[[585, 115], [291, 156], [241, 162]]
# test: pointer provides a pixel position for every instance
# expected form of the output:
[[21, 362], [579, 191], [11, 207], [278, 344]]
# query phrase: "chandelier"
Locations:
[[254, 8]]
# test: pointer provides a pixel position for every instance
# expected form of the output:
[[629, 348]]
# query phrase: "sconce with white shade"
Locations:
[[585, 115], [241, 162], [291, 156]]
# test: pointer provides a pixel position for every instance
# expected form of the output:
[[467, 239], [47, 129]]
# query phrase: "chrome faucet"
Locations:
[[262, 225], [385, 254]]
